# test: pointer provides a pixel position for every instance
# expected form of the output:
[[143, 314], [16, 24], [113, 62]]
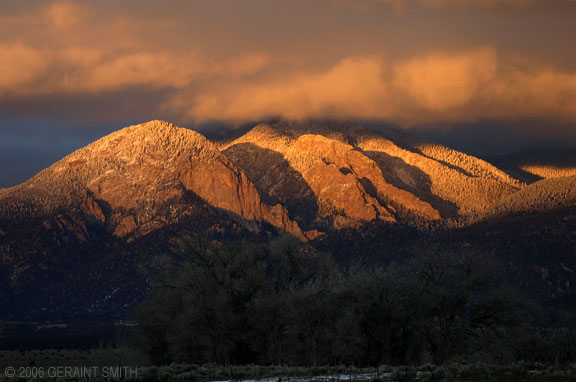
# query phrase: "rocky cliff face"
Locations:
[[341, 184]]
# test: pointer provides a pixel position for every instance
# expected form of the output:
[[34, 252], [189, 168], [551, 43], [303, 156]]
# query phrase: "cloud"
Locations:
[[477, 3], [352, 88], [400, 7], [148, 69], [64, 15], [164, 70], [444, 81], [443, 86], [77, 47], [546, 93], [89, 70], [282, 60], [459, 86], [20, 66]]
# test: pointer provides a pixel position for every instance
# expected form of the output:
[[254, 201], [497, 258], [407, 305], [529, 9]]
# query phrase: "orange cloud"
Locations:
[[544, 94], [439, 82], [88, 70], [352, 88], [400, 6], [63, 15], [20, 66], [462, 86], [98, 49], [156, 70], [476, 3], [240, 66], [61, 50], [160, 70]]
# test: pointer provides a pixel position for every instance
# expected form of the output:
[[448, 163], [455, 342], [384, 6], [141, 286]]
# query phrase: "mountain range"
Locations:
[[72, 237]]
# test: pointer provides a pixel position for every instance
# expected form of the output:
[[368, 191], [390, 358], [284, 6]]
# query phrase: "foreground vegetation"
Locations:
[[45, 358], [520, 371], [284, 303], [237, 311]]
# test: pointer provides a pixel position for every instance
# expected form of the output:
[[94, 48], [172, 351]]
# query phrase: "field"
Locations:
[[129, 359]]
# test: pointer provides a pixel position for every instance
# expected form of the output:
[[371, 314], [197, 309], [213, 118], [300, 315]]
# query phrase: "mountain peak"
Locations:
[[158, 138]]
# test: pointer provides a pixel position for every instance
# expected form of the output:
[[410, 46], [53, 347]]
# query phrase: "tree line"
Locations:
[[285, 303]]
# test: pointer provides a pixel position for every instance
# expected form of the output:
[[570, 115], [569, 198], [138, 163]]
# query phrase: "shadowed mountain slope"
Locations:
[[539, 164], [544, 195]]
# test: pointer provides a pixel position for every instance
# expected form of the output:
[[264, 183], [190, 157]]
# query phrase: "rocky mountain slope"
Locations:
[[134, 181], [72, 237], [346, 174]]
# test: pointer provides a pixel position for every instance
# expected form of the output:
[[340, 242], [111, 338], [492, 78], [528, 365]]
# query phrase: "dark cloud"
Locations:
[[500, 137], [28, 145]]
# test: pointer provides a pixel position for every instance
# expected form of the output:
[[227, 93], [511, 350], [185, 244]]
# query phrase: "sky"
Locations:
[[484, 76]]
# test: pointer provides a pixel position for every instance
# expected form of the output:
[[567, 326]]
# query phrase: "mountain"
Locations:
[[135, 180], [72, 237], [336, 175]]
